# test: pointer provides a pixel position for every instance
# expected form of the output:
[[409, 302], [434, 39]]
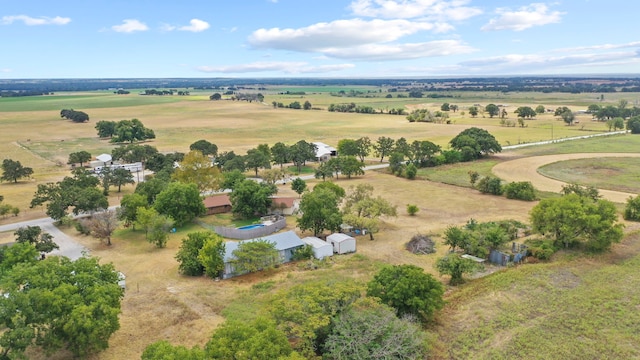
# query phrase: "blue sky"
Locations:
[[319, 38]]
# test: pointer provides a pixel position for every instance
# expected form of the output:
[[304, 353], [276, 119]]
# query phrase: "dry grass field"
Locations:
[[161, 304]]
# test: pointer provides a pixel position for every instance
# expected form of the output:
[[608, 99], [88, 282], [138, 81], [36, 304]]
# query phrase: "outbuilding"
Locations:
[[342, 243], [321, 248]]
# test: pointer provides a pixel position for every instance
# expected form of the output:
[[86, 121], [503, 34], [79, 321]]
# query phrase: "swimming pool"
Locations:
[[248, 227]]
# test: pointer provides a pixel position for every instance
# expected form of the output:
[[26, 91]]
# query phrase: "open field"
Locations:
[[500, 314], [620, 174]]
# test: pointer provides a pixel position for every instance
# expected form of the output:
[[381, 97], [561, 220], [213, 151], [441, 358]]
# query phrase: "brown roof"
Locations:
[[287, 201], [216, 201]]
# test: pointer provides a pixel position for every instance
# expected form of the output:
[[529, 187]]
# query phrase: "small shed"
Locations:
[[217, 204], [321, 249], [342, 243]]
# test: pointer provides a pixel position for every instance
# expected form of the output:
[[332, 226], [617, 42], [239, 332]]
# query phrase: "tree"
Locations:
[[333, 187], [256, 159], [181, 202], [490, 185], [198, 169], [568, 117], [412, 209], [455, 266], [305, 311], [632, 209], [421, 115], [319, 211], [205, 147], [103, 224], [301, 152], [42, 241], [259, 339], [492, 110], [79, 192], [445, 107], [455, 237], [79, 157], [106, 129], [13, 170], [272, 176], [421, 152], [131, 131], [525, 112], [163, 350], [215, 96], [540, 109], [211, 254], [349, 165], [156, 226], [364, 147], [75, 116], [633, 125], [586, 191], [151, 188], [383, 146], [187, 255], [520, 190], [252, 256], [323, 171], [407, 289], [307, 105], [573, 219], [298, 185], [119, 177], [473, 111], [70, 304], [250, 198], [396, 163], [128, 210], [348, 147], [362, 210], [370, 330], [483, 142], [280, 153], [231, 178], [134, 152]]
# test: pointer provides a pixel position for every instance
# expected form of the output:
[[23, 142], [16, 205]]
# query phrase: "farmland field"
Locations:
[[576, 305]]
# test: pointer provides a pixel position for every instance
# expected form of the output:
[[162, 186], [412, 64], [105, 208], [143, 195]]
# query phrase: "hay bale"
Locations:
[[421, 244]]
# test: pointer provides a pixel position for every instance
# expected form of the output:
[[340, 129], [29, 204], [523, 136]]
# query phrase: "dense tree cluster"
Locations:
[[73, 115]]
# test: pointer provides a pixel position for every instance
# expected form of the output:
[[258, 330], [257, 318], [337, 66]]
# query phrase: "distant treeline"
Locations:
[[569, 84], [4, 93]]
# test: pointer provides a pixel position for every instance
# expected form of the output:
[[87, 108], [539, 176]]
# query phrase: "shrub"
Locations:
[[303, 253], [412, 209], [490, 185], [522, 190], [411, 171], [632, 209], [541, 249]]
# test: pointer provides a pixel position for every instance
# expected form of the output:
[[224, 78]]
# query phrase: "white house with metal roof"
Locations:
[[286, 243], [324, 152]]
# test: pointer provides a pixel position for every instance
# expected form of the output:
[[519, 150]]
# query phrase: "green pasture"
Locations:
[[80, 102], [619, 174]]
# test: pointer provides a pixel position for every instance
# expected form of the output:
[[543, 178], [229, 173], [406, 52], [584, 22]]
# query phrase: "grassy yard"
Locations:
[[620, 174]]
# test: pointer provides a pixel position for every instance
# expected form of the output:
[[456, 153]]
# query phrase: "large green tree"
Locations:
[[408, 289], [259, 339], [320, 211], [301, 152], [106, 129], [280, 153], [383, 146], [573, 219], [131, 131], [478, 140], [250, 198], [128, 210], [370, 330], [205, 147], [492, 110], [79, 157], [362, 210], [57, 303], [187, 255], [455, 266], [13, 170], [257, 159], [181, 202], [252, 256], [163, 350], [211, 254], [34, 235], [79, 192], [198, 169]]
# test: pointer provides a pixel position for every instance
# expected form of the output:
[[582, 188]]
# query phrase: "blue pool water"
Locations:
[[248, 227]]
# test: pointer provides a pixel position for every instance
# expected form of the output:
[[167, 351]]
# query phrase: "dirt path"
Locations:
[[526, 169]]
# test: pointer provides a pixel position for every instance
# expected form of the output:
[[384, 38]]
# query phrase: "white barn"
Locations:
[[342, 243], [324, 152], [321, 248]]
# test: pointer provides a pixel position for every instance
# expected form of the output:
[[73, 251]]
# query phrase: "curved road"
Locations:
[[526, 169]]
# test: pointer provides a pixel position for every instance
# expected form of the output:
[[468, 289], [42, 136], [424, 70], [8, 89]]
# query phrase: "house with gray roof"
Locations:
[[286, 243]]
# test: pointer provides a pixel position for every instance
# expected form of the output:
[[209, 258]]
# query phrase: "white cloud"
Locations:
[[167, 27], [441, 10], [284, 66], [31, 21], [633, 44], [536, 14], [196, 25], [338, 34], [385, 52], [129, 26], [6, 70]]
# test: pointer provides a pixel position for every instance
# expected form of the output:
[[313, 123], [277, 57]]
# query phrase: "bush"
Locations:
[[632, 209], [303, 253], [541, 249], [411, 171], [412, 209], [522, 190], [490, 185]]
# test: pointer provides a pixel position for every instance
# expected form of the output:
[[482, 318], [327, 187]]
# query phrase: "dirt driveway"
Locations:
[[526, 169]]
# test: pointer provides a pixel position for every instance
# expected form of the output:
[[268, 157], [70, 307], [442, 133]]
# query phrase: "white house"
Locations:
[[321, 249], [286, 243], [342, 243], [324, 152]]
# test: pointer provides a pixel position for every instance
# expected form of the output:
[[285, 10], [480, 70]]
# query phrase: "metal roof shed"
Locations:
[[342, 243], [321, 249]]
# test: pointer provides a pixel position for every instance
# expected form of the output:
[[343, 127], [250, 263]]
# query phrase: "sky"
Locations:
[[316, 38]]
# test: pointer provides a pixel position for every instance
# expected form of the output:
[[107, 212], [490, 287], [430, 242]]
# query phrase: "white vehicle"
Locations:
[[122, 281]]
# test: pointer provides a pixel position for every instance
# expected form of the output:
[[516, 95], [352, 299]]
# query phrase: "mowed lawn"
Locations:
[[620, 174]]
